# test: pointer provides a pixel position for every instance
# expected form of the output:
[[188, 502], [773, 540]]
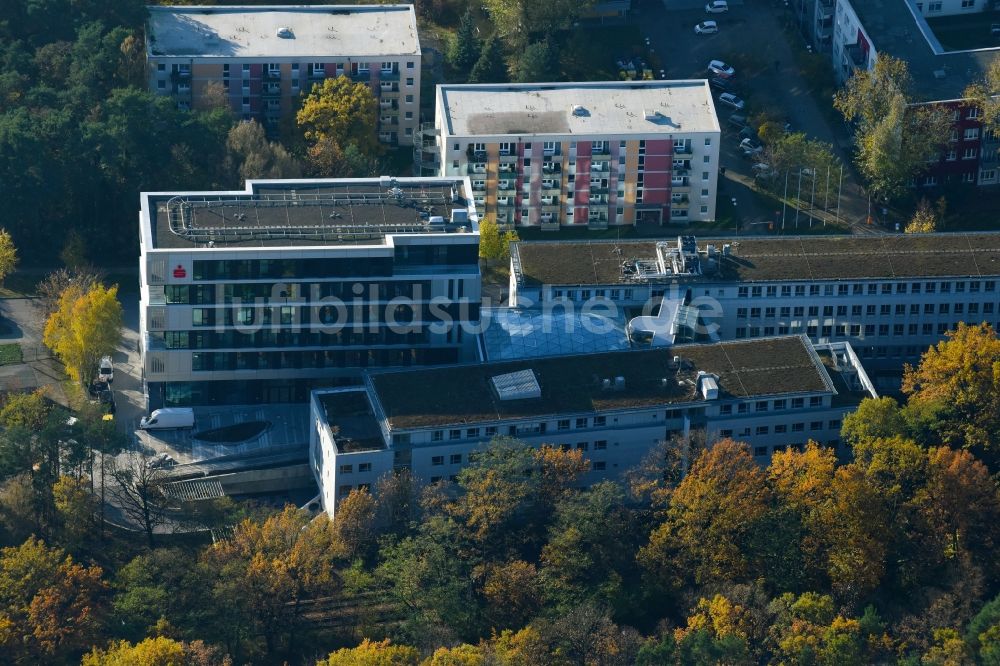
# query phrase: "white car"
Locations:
[[706, 28], [106, 370], [717, 7], [749, 147], [729, 99], [720, 68]]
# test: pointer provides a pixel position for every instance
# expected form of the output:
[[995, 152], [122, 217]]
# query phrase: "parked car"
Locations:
[[747, 133], [719, 83], [763, 170], [168, 418], [729, 99], [106, 399], [106, 370], [706, 28], [160, 460], [737, 120], [750, 147], [717, 7], [720, 68]]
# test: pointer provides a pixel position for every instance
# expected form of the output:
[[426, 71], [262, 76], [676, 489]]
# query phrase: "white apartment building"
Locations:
[[265, 57], [613, 406], [583, 155], [889, 296], [263, 294]]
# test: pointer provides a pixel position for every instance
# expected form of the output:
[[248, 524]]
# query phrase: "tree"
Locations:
[[984, 94], [516, 19], [490, 241], [712, 519], [807, 159], [328, 159], [924, 220], [157, 651], [214, 96], [875, 418], [895, 139], [25, 410], [491, 67], [8, 255], [86, 327], [137, 490], [52, 287], [539, 61], [353, 525], [342, 110], [960, 377], [373, 653], [254, 157], [76, 507], [463, 51]]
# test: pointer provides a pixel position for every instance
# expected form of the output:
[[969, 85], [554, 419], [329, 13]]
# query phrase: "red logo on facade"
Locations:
[[179, 272]]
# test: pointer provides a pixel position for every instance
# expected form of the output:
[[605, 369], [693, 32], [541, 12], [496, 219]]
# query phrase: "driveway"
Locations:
[[753, 41]]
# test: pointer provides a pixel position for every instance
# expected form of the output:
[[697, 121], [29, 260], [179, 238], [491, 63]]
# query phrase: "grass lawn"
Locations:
[[10, 353], [970, 31], [498, 273]]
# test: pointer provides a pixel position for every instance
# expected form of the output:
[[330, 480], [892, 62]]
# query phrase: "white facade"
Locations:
[[613, 440]]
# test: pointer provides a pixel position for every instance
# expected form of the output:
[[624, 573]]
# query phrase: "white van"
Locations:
[[168, 418]]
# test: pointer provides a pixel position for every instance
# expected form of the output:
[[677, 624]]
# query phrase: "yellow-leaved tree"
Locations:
[[8, 255], [341, 110], [86, 326]]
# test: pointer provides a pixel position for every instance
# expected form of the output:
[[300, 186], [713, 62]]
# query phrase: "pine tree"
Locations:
[[491, 67], [464, 50]]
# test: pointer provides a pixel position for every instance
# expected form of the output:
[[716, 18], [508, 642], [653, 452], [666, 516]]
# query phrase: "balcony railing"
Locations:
[[551, 167], [272, 74], [388, 76], [474, 168], [682, 150]]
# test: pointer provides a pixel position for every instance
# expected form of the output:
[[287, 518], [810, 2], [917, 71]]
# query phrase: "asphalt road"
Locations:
[[752, 39]]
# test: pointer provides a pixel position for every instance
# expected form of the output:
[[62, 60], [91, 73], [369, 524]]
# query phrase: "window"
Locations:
[[582, 446], [437, 435], [455, 459], [437, 460], [971, 133], [600, 466], [934, 7], [455, 434], [761, 406], [364, 467], [704, 175], [798, 427], [816, 401], [601, 445], [409, 99], [970, 154], [779, 404], [815, 425], [781, 428], [708, 141], [762, 430], [347, 469], [409, 64], [725, 409], [759, 451], [600, 421], [471, 433]]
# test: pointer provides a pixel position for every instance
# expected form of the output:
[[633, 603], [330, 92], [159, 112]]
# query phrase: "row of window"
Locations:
[[327, 359], [869, 289], [869, 310], [271, 338], [282, 292], [781, 428], [848, 330], [762, 451], [778, 405], [554, 147], [488, 432]]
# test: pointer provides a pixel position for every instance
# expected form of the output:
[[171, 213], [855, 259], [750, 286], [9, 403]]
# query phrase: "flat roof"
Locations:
[[275, 213], [898, 29], [790, 258], [351, 420], [574, 384], [252, 31], [613, 107]]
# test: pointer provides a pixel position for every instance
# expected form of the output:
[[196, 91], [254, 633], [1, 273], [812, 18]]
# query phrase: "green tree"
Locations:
[[984, 94], [25, 410], [342, 110], [538, 61], [87, 326], [960, 378], [894, 138], [490, 240], [158, 651], [491, 67], [875, 418], [516, 19], [463, 51]]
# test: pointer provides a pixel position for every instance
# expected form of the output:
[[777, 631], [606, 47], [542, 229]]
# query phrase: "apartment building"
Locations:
[[263, 294], [890, 297], [581, 155], [265, 57], [864, 28], [614, 407]]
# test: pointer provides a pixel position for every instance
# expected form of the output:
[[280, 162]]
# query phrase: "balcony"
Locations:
[[507, 157], [682, 150], [386, 104], [680, 183], [272, 74], [682, 164], [598, 199], [505, 201], [361, 75], [597, 224], [316, 74], [854, 57], [550, 224], [551, 167], [507, 168], [271, 90], [599, 189], [388, 76], [601, 152], [476, 168], [550, 200], [600, 167]]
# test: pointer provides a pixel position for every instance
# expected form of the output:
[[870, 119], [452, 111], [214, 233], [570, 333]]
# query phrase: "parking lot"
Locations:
[[751, 39]]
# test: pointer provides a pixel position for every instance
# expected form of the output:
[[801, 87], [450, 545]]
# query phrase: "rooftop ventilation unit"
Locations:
[[579, 111], [651, 115], [709, 385], [285, 32], [520, 385]]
